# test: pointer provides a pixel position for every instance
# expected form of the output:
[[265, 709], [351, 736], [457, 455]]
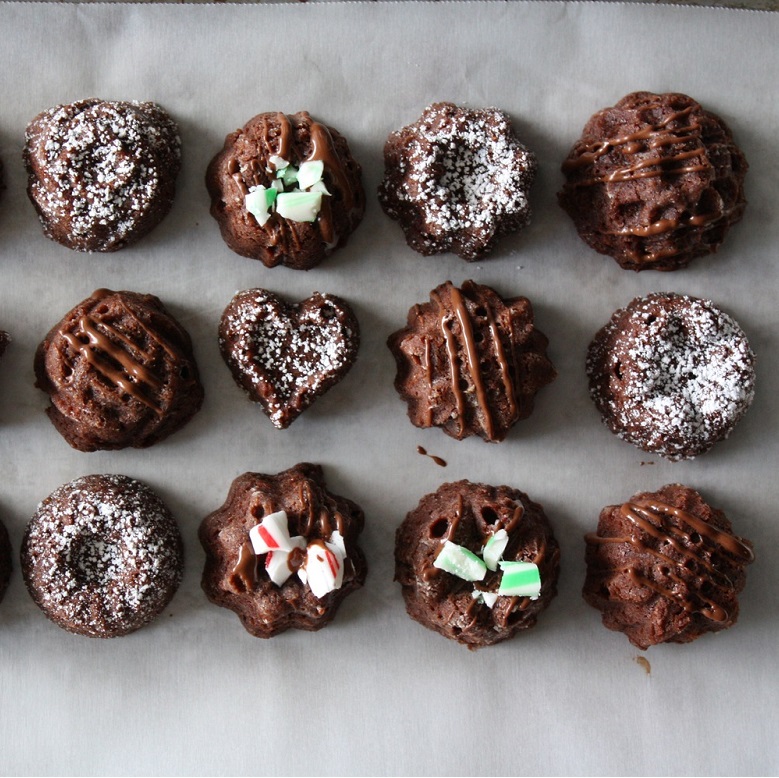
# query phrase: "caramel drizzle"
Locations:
[[656, 137], [243, 577], [653, 138], [473, 365], [652, 518], [132, 377]]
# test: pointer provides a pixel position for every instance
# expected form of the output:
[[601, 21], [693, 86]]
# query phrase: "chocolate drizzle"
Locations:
[[113, 355], [469, 339], [438, 460], [243, 577], [470, 361], [684, 550], [654, 181], [662, 149]]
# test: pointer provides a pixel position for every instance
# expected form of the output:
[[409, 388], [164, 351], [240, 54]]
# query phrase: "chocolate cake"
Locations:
[[282, 551], [470, 362], [286, 190], [457, 180], [102, 174], [285, 355], [119, 371], [671, 374], [476, 563], [102, 556], [665, 567], [654, 181]]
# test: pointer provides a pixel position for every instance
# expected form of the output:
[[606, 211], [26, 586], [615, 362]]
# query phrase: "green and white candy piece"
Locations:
[[299, 206], [276, 163], [487, 598], [319, 186], [277, 184], [520, 579], [289, 175], [460, 561], [258, 202], [310, 172], [494, 548]]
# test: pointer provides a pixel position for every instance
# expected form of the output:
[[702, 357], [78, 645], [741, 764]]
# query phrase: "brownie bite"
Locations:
[[470, 362], [476, 563], [282, 551], [665, 567], [285, 189], [457, 180], [102, 556], [654, 181], [671, 374], [119, 371], [102, 173]]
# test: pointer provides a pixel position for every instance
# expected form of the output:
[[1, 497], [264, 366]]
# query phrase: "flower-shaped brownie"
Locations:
[[457, 180], [470, 362], [282, 551]]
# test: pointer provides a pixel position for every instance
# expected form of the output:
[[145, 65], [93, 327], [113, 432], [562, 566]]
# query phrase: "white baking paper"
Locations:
[[375, 693]]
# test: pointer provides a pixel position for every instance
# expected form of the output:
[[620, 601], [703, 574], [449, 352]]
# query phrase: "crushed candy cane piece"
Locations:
[[494, 548], [324, 568], [461, 562], [520, 579]]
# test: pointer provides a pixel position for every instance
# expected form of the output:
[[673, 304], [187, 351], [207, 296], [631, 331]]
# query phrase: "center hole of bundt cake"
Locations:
[[468, 174], [92, 558]]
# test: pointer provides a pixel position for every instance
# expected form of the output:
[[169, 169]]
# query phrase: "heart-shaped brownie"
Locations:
[[285, 355]]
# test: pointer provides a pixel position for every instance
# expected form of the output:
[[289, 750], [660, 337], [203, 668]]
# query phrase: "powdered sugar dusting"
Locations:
[[460, 175], [102, 555], [97, 168], [679, 379], [287, 355]]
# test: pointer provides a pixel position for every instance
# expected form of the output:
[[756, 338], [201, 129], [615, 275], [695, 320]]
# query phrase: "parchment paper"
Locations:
[[375, 693]]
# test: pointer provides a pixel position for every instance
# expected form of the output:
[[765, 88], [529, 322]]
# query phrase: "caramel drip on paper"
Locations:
[[655, 519], [423, 451]]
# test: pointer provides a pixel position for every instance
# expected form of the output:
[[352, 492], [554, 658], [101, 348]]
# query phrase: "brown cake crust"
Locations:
[[665, 567], [467, 514], [470, 362], [246, 161], [671, 374], [234, 576], [457, 180], [285, 355], [102, 556], [119, 371], [654, 181], [101, 173], [5, 560]]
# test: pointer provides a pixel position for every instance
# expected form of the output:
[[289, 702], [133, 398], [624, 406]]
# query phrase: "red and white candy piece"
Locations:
[[272, 534], [277, 562], [324, 567]]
